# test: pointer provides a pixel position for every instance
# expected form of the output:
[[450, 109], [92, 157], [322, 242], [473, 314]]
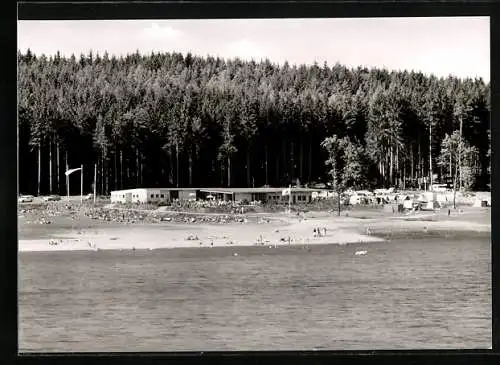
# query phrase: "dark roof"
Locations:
[[255, 190], [232, 190], [168, 189]]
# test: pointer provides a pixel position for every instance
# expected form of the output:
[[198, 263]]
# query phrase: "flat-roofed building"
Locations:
[[274, 195], [152, 195], [157, 195]]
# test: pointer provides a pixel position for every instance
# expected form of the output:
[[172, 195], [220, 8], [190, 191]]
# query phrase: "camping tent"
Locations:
[[432, 205], [480, 203], [408, 202]]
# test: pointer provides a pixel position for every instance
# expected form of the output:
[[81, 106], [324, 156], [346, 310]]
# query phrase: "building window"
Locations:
[[157, 195], [162, 196], [152, 195]]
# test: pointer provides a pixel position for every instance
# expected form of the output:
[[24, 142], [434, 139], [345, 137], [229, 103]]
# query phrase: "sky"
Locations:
[[459, 46]]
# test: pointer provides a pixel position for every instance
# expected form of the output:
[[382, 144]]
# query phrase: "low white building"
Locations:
[[152, 195], [141, 195], [156, 195]]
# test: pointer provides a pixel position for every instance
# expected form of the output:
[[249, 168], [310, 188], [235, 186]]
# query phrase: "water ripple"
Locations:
[[423, 294]]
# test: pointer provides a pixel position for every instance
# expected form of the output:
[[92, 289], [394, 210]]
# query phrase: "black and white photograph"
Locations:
[[254, 184]]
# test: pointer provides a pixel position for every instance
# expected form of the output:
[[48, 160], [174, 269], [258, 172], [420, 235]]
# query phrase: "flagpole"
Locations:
[[95, 180], [290, 199], [67, 176], [81, 184]]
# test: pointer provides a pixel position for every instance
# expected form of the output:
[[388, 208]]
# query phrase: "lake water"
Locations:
[[402, 294]]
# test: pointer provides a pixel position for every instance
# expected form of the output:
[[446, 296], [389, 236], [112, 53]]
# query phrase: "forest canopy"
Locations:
[[174, 120]]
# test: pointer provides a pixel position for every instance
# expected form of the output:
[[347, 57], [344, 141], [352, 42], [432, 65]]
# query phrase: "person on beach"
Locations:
[[314, 232], [324, 231], [319, 232]]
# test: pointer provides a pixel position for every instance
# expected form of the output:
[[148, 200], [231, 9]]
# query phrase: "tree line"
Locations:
[[174, 120]]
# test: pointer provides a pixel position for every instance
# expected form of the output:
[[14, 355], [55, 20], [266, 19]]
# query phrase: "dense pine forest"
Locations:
[[174, 120]]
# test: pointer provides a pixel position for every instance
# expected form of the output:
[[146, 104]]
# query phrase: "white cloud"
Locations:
[[245, 49], [156, 31]]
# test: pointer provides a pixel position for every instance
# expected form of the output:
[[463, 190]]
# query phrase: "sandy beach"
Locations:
[[357, 226]]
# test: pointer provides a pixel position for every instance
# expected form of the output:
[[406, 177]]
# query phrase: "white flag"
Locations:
[[70, 171], [285, 192]]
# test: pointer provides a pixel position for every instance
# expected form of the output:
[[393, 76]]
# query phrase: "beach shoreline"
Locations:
[[273, 230]]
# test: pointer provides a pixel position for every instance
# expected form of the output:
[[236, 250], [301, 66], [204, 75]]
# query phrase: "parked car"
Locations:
[[88, 197], [51, 198], [25, 199]]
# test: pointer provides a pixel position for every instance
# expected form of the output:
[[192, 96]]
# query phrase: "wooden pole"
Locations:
[[95, 181], [81, 184], [39, 166], [58, 168], [460, 158], [430, 158], [67, 176], [51, 178], [267, 183]]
